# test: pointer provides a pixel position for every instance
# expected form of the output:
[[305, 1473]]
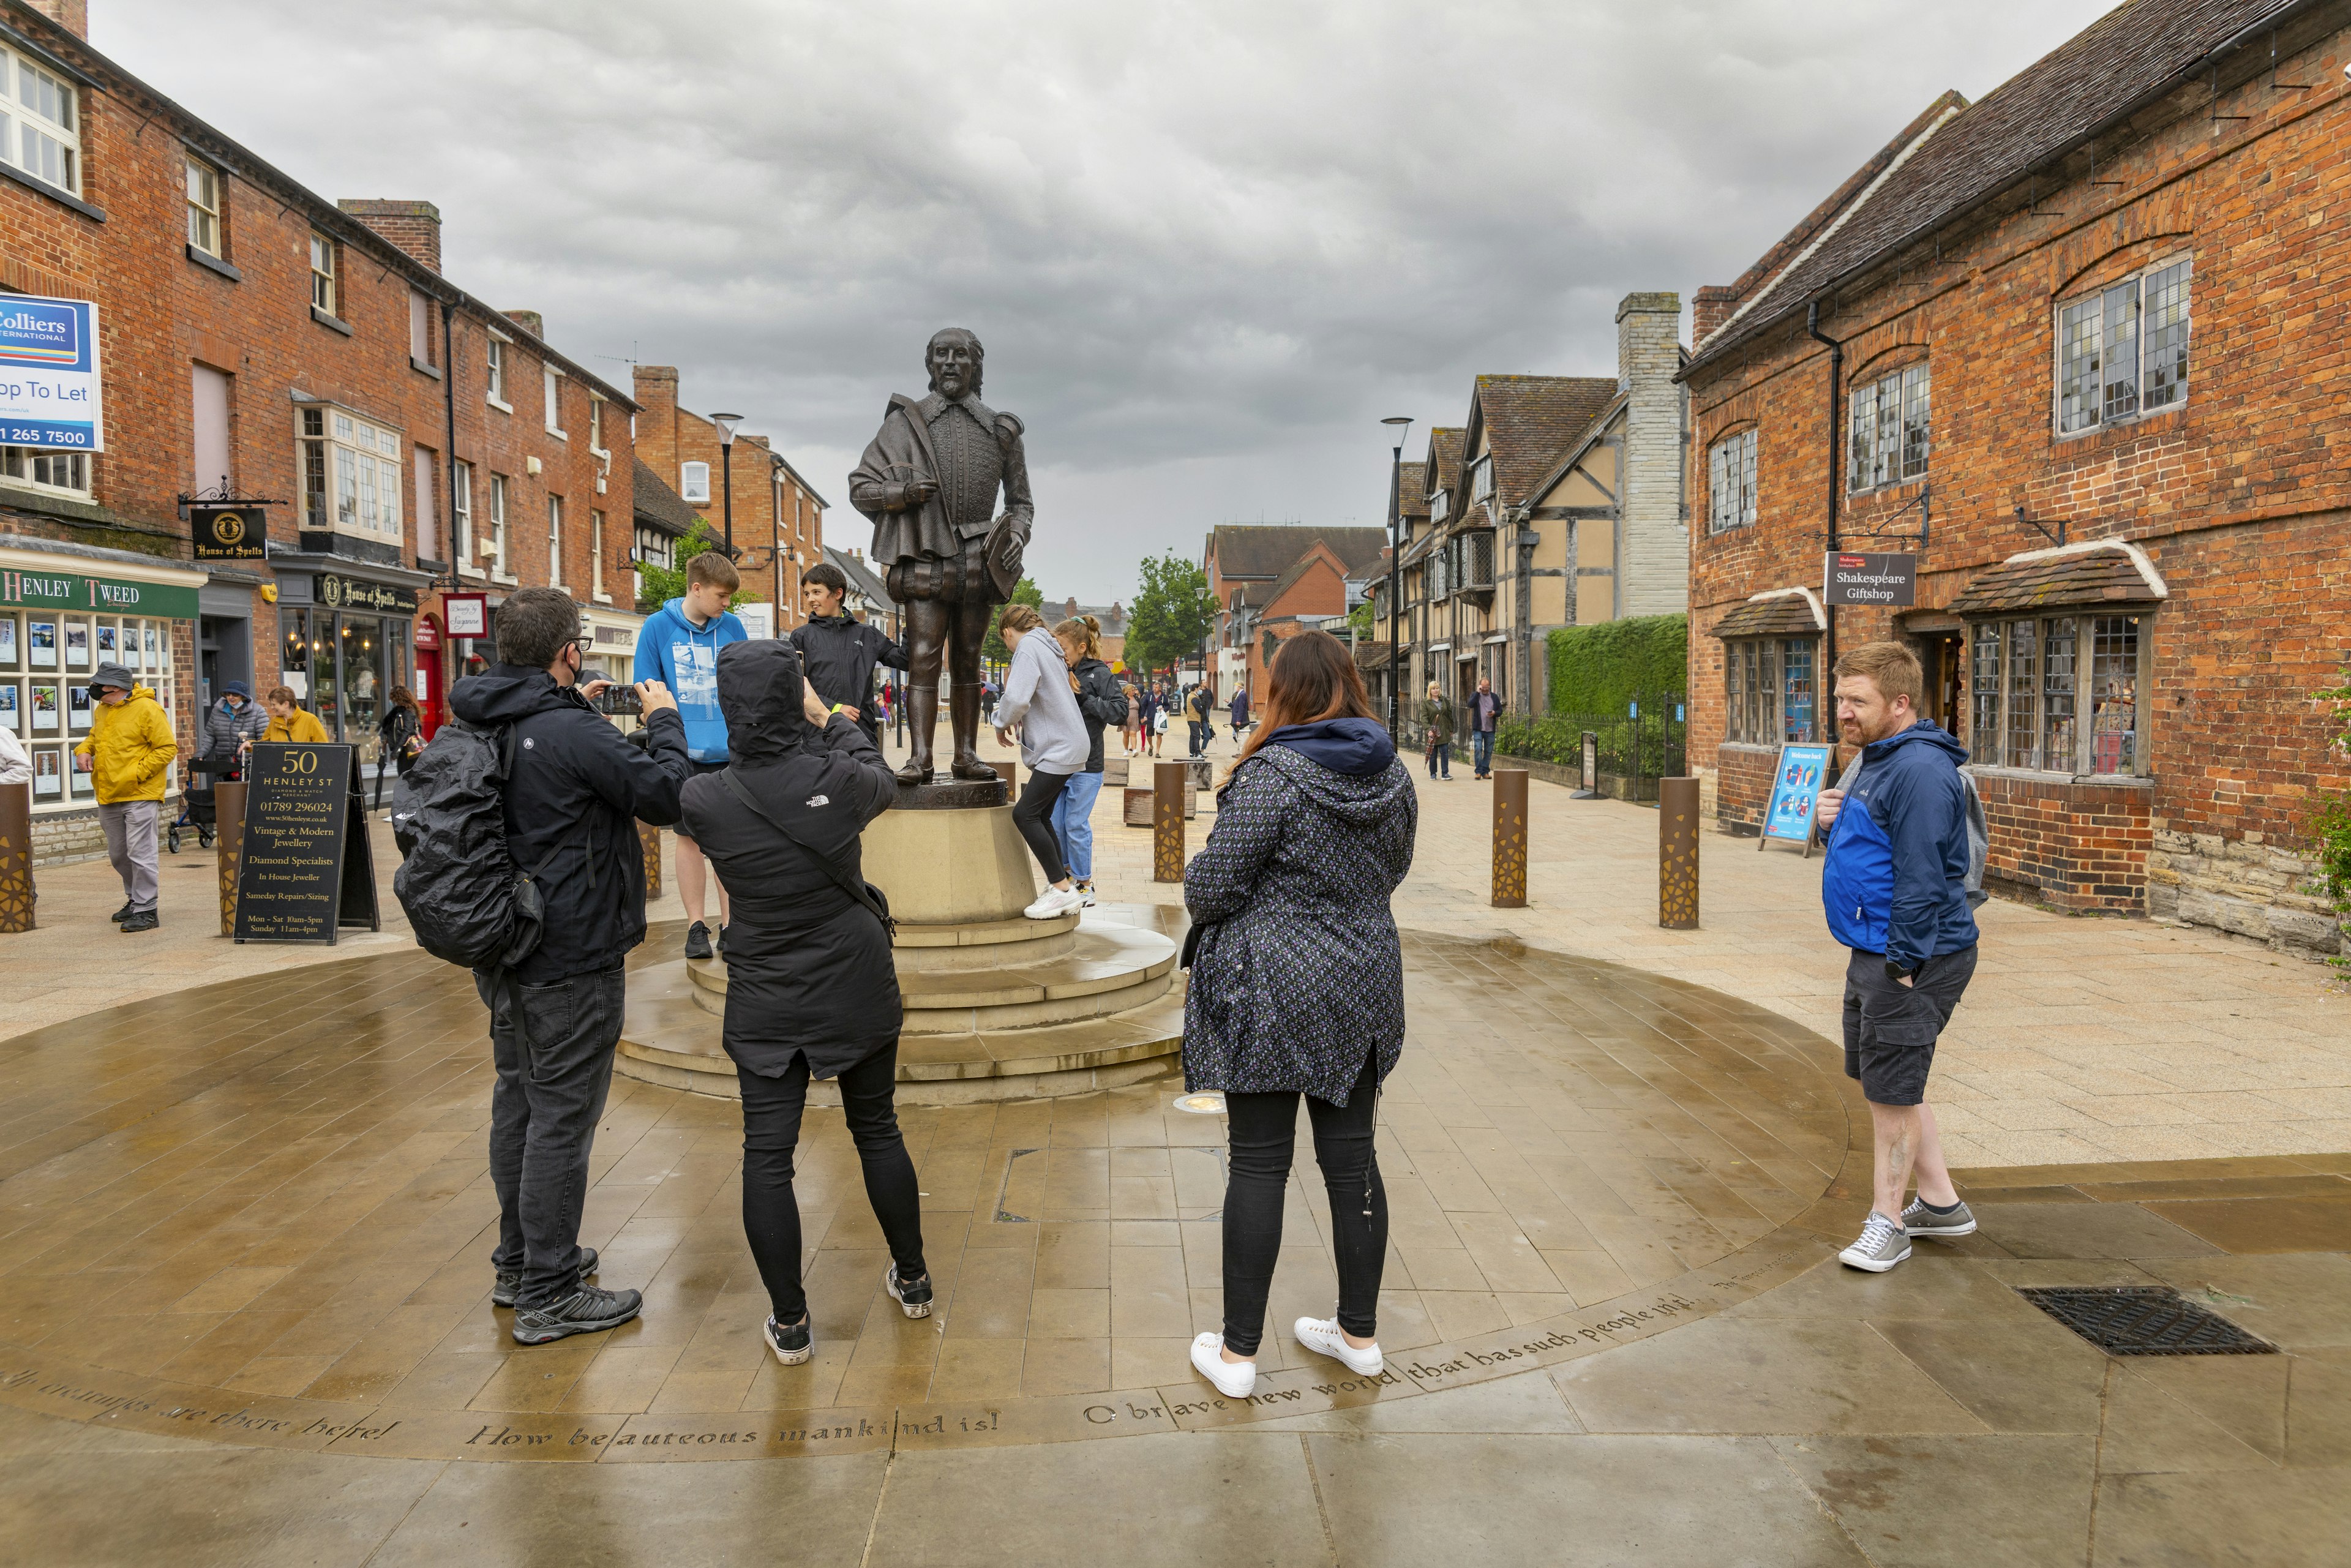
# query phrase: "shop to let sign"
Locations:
[[49, 394], [1869, 580]]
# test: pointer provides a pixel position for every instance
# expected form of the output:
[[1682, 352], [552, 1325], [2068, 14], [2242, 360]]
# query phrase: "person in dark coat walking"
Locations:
[[839, 652], [810, 991], [571, 810], [1298, 989], [1241, 710]]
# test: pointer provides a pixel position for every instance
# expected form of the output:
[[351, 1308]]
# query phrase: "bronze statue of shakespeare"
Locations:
[[928, 481]]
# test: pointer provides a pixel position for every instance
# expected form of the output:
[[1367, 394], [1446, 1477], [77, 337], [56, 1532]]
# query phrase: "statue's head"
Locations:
[[954, 361]]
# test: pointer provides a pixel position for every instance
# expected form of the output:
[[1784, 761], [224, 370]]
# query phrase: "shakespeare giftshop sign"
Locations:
[[338, 593], [1869, 580], [72, 591], [49, 394]]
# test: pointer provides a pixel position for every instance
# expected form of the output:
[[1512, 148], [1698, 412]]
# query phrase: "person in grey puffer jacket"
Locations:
[[231, 722], [1297, 987]]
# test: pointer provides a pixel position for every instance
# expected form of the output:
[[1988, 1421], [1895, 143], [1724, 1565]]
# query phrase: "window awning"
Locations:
[[1776, 613], [2097, 572]]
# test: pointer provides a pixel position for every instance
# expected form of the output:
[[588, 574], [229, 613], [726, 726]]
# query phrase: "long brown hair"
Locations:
[[1313, 677]]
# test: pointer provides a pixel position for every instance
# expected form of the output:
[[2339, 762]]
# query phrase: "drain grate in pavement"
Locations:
[[2143, 1320]]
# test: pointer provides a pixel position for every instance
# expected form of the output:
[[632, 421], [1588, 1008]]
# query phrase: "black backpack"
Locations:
[[466, 899]]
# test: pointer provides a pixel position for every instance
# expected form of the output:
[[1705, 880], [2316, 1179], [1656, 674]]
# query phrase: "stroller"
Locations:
[[196, 799]]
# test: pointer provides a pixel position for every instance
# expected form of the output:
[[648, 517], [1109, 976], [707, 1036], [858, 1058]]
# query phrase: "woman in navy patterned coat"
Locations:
[[1298, 989]]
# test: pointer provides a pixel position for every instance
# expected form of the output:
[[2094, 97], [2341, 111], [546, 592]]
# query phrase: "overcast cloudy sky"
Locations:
[[1206, 245]]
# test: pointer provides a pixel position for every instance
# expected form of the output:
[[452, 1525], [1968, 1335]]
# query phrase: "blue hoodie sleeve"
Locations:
[[651, 645], [1923, 806]]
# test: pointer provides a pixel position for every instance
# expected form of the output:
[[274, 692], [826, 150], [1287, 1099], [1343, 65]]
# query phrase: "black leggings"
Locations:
[[771, 1131], [1262, 1129], [1033, 815]]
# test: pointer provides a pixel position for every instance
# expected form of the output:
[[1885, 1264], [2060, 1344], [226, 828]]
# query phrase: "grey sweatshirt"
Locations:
[[1038, 699]]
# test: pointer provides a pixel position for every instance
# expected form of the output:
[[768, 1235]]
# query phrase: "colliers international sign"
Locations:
[[49, 394]]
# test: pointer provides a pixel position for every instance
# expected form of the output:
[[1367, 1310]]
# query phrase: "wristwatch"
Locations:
[[1894, 972]]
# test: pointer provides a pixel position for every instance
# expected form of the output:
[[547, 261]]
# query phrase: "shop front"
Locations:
[[344, 642], [64, 610]]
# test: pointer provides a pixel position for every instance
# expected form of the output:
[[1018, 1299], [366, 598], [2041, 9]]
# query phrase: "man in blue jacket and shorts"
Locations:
[[1895, 886]]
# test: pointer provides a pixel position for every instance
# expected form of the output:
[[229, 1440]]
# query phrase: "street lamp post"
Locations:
[[1397, 425], [726, 423]]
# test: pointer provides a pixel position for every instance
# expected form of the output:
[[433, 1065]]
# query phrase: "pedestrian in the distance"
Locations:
[[1239, 712], [1437, 715], [1101, 703], [1037, 701], [1902, 871], [400, 735], [1132, 728], [130, 749], [1199, 708], [290, 723], [1297, 988], [233, 719], [810, 992], [1485, 713]]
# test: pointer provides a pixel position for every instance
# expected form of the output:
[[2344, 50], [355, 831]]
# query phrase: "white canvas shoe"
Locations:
[[1324, 1337], [1234, 1379], [1055, 901]]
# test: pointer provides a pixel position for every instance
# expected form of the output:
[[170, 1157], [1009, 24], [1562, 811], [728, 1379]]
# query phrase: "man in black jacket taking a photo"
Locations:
[[577, 791], [839, 652]]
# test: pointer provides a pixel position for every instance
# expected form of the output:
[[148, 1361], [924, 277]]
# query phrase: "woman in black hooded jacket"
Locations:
[[810, 991]]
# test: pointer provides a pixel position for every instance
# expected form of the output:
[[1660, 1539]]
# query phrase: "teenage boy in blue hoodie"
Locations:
[[1896, 887], [678, 646]]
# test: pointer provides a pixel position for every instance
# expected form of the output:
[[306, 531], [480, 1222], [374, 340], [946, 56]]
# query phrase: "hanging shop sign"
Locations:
[[468, 613], [1795, 801], [72, 591], [230, 533], [340, 593], [304, 869], [1874, 581], [48, 375]]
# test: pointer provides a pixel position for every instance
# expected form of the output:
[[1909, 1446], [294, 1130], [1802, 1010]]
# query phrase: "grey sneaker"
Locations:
[[509, 1281], [1920, 1221], [586, 1311], [1883, 1244]]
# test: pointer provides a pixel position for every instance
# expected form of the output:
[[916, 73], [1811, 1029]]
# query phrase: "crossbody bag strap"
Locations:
[[832, 868]]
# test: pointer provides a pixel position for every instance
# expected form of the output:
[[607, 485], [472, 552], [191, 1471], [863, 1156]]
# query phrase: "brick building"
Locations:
[[1244, 561], [258, 343], [2087, 365]]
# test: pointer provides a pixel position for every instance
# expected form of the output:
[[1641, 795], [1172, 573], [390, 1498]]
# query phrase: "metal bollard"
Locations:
[[228, 841], [1509, 838], [648, 841], [16, 893], [1677, 853], [1171, 783]]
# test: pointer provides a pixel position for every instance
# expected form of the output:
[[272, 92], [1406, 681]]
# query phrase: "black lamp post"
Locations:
[[726, 423], [1397, 425]]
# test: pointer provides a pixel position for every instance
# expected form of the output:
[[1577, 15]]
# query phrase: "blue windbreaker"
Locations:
[[684, 657], [1894, 879]]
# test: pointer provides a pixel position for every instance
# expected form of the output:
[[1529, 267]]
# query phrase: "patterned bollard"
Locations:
[[648, 841], [17, 893], [1509, 838], [228, 840], [1171, 786], [1677, 853]]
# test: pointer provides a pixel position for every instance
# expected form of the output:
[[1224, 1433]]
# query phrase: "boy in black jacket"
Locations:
[[839, 652]]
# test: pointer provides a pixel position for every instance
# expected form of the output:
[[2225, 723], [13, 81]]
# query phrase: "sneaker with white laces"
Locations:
[[1883, 1244], [1920, 1221], [1054, 903], [1234, 1379], [1324, 1337]]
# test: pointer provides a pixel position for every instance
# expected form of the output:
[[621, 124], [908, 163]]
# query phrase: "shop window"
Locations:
[[2031, 680], [1771, 689], [1891, 430], [351, 473], [40, 123], [2123, 351], [1731, 483], [322, 274]]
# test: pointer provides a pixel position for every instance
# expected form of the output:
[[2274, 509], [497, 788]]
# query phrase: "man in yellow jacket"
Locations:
[[131, 747]]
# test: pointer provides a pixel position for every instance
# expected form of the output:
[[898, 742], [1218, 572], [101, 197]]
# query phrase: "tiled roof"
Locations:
[[1370, 656], [1412, 486], [2083, 575], [2130, 57], [660, 507], [1443, 468], [1529, 420], [1252, 549], [860, 574], [1781, 612]]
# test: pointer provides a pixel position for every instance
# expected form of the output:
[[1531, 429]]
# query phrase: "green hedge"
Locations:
[[1599, 669]]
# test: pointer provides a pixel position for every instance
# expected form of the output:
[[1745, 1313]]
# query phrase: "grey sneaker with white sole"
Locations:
[[1920, 1221], [1883, 1244]]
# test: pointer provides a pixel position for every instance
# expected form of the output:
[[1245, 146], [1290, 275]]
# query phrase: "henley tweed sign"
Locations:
[[1870, 580], [72, 591], [48, 374], [303, 868]]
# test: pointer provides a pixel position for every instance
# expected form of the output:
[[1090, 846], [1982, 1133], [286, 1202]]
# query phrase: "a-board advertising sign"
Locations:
[[304, 868], [1796, 787], [1877, 580], [50, 395]]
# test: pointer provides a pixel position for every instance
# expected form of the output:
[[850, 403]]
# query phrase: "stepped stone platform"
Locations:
[[997, 1006]]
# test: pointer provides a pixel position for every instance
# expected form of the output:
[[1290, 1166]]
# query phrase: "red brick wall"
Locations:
[[2235, 495], [1744, 784], [2078, 846]]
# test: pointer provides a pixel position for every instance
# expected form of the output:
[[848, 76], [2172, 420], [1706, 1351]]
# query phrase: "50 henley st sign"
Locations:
[[50, 395]]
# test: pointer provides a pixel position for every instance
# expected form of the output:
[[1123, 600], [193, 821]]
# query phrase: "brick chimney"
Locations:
[[1709, 307], [530, 321], [1652, 563], [413, 227], [73, 15], [655, 389]]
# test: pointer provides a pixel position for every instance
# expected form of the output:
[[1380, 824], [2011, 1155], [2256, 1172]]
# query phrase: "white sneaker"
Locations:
[[1055, 901], [1234, 1379], [1086, 892], [1322, 1337]]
